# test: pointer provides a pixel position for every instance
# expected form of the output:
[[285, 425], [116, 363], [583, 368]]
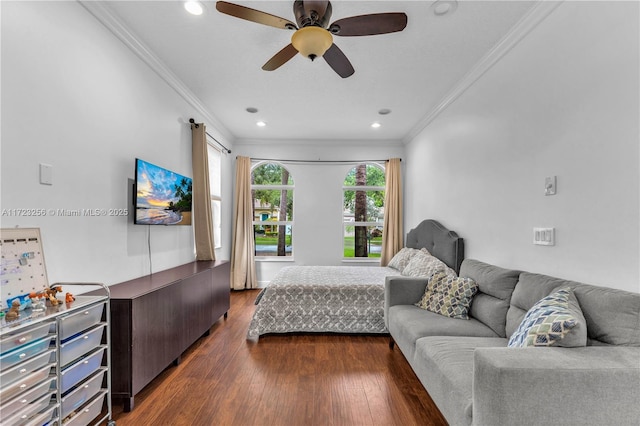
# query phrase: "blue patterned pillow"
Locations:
[[556, 320]]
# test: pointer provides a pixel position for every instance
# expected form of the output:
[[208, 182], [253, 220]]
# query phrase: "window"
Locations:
[[215, 190], [272, 194], [363, 211]]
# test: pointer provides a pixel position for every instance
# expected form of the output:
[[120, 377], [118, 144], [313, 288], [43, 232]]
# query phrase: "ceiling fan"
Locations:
[[313, 35]]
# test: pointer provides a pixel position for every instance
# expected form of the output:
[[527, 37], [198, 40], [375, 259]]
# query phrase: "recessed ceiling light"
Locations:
[[376, 125], [193, 7], [444, 7], [384, 111], [252, 110], [261, 124]]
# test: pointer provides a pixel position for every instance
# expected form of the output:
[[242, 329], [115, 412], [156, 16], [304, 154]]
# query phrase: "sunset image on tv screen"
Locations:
[[162, 196]]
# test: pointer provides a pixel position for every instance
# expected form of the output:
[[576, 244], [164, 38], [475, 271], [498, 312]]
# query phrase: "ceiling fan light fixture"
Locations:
[[312, 42], [444, 7], [193, 7]]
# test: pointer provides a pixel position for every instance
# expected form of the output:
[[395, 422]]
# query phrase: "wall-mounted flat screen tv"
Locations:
[[162, 197]]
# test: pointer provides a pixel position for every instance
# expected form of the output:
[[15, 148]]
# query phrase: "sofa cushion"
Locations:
[[422, 264], [554, 320], [525, 295], [448, 295], [612, 316], [401, 259], [495, 286], [444, 365], [408, 323]]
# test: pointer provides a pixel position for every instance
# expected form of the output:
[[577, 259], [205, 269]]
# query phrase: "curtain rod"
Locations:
[[321, 161], [192, 121]]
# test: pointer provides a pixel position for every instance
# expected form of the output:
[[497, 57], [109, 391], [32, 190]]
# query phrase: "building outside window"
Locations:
[[363, 211], [272, 196]]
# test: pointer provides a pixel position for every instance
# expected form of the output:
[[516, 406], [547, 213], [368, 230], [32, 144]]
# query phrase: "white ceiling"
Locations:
[[218, 58]]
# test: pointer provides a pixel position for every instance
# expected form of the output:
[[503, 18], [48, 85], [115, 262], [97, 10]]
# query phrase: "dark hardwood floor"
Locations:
[[307, 379]]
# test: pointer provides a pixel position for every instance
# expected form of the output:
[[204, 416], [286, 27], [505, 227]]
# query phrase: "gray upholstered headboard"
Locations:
[[442, 243]]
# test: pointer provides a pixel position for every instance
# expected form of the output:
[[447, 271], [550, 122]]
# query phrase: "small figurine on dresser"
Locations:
[[51, 292], [14, 312], [37, 301]]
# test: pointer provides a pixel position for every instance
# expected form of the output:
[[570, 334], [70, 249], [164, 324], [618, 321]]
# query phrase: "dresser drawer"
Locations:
[[23, 337], [27, 382], [43, 418], [80, 321], [81, 369], [25, 352], [83, 392], [21, 371], [80, 345], [28, 415], [22, 401], [88, 412]]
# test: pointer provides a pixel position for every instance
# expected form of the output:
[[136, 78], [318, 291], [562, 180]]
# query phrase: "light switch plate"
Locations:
[[46, 174], [544, 236], [550, 185]]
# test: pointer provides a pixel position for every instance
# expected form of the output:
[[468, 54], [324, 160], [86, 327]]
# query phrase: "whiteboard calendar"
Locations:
[[23, 269]]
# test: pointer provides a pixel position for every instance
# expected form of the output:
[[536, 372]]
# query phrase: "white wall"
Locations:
[[563, 102], [74, 97], [317, 208]]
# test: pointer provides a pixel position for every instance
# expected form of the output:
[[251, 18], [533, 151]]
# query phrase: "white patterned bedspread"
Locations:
[[340, 299]]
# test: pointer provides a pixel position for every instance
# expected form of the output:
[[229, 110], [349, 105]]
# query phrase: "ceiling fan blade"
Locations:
[[338, 61], [280, 58], [377, 23], [254, 15]]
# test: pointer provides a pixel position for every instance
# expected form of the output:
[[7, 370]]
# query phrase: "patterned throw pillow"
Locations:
[[402, 258], [556, 320], [449, 295], [424, 265]]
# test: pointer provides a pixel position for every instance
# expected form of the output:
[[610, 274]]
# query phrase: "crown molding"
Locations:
[[524, 26], [320, 142], [106, 17]]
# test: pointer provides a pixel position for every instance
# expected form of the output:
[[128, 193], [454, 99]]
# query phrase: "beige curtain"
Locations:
[[392, 236], [202, 219], [243, 268]]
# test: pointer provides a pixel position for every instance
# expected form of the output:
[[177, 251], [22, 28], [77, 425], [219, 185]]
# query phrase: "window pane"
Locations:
[[363, 206], [215, 171], [363, 211], [216, 208], [272, 240], [272, 204], [362, 241], [365, 174], [271, 174], [272, 209]]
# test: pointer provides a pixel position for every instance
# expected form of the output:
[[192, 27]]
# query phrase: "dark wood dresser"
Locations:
[[155, 318]]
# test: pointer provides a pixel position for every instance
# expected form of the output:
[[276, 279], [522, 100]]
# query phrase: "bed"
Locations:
[[342, 299]]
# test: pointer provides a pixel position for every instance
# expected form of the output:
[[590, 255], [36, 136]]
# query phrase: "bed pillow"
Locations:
[[449, 295], [555, 320], [424, 265], [401, 259]]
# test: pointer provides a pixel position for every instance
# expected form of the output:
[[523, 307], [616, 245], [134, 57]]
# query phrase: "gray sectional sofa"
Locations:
[[474, 378]]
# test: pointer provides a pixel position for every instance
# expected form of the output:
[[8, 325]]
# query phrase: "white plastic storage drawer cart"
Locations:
[[55, 364]]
